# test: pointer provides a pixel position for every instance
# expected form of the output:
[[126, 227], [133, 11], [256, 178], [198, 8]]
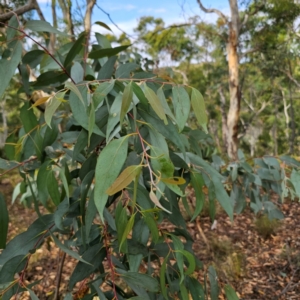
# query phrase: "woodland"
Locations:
[[162, 164]]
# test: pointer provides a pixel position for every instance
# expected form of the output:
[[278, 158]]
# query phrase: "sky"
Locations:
[[127, 13]]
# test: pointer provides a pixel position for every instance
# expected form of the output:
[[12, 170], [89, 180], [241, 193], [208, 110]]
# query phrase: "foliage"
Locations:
[[110, 159]]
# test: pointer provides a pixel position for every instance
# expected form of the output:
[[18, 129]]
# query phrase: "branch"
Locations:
[[249, 51], [108, 15], [247, 15], [19, 11], [212, 10], [291, 78]]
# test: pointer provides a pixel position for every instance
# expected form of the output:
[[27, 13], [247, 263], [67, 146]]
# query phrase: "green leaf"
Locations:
[[77, 72], [28, 118], [121, 222], [214, 288], [178, 246], [197, 183], [30, 239], [124, 70], [114, 117], [196, 289], [42, 26], [127, 230], [162, 276], [126, 100], [52, 105], [155, 103], [141, 280], [149, 219], [3, 222], [103, 25], [169, 131], [109, 165], [6, 165], [124, 179], [295, 180], [72, 87], [94, 256], [107, 52], [33, 296], [8, 64], [181, 102], [65, 249], [76, 49], [107, 69], [198, 106], [52, 187], [33, 58], [102, 91], [91, 121], [183, 291], [64, 181], [161, 96], [230, 293]]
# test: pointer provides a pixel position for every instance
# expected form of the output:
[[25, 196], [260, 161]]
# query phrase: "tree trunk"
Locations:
[[224, 119], [54, 18], [233, 67], [66, 9]]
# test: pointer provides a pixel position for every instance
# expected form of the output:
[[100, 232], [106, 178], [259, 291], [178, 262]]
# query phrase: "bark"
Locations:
[[66, 8], [224, 118], [233, 68], [54, 18], [19, 11], [88, 15], [293, 123]]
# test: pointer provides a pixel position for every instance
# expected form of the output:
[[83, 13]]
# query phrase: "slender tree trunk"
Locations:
[[66, 9], [233, 67], [293, 124], [54, 18], [224, 119]]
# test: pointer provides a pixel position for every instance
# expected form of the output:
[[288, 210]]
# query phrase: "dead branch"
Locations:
[[213, 10]]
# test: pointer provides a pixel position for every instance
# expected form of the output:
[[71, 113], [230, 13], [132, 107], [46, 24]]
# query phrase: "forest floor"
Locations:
[[258, 268]]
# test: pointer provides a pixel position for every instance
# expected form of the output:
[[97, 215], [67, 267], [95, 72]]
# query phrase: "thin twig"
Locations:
[[108, 15], [58, 278]]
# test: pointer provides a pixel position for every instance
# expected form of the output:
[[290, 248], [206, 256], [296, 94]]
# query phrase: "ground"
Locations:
[[258, 268]]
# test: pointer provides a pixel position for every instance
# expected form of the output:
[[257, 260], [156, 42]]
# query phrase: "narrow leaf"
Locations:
[[96, 54], [8, 64], [198, 106], [91, 121], [126, 100], [76, 49], [103, 25], [3, 222], [161, 96], [230, 292], [214, 288], [109, 164], [72, 87], [52, 106], [127, 230], [155, 103], [162, 276], [124, 179], [197, 183], [182, 105], [42, 26]]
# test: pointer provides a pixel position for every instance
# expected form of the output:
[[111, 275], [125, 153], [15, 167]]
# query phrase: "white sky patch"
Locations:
[[127, 7], [152, 10]]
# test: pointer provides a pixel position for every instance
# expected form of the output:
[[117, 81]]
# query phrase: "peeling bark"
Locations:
[[233, 69]]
